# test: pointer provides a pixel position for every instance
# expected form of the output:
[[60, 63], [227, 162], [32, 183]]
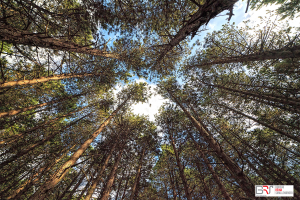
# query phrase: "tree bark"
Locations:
[[207, 191], [46, 79], [209, 10], [138, 173], [111, 178], [66, 166], [244, 182], [15, 36], [99, 175], [181, 170], [211, 169]]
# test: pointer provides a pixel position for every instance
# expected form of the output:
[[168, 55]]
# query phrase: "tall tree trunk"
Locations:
[[39, 143], [209, 10], [66, 166], [111, 178], [100, 173], [283, 53], [15, 36], [45, 79], [263, 123], [181, 170], [211, 169], [138, 174], [17, 111], [235, 170], [172, 183], [206, 188]]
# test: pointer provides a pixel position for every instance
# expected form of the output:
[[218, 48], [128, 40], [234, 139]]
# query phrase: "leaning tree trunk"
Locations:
[[211, 169], [209, 10], [293, 103], [15, 36], [206, 188], [45, 79], [244, 182], [66, 166]]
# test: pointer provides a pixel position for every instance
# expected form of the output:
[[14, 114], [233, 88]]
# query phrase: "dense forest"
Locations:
[[231, 119]]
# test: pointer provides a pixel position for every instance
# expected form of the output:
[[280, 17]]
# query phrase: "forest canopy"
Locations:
[[230, 118]]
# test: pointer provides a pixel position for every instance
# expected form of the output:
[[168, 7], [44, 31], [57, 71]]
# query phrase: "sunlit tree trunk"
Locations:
[[45, 79], [283, 53], [21, 135], [100, 173]]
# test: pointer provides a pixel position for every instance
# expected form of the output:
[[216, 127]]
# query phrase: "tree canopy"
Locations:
[[231, 119]]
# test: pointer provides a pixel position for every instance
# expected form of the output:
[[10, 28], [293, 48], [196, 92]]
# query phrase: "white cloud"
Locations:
[[151, 108], [254, 17]]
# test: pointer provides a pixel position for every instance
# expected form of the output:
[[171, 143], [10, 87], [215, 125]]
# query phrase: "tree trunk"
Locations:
[[111, 178], [15, 36], [172, 183], [66, 166], [99, 175], [263, 123], [45, 79], [283, 53], [209, 10], [235, 170], [181, 170], [138, 174], [119, 185], [211, 169], [86, 186], [17, 111]]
